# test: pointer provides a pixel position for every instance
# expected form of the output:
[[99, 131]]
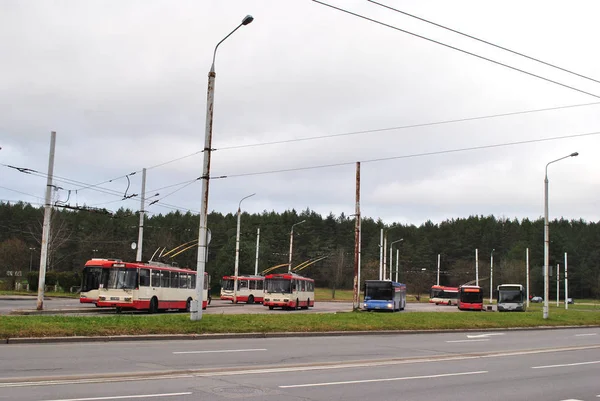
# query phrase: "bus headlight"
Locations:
[[128, 299], [390, 306]]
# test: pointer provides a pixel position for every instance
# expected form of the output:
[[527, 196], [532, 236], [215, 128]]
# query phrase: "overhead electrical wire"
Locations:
[[483, 41], [455, 48]]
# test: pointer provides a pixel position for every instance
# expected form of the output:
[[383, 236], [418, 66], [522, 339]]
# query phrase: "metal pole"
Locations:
[[356, 286], [438, 271], [566, 285], [142, 211], [397, 256], [491, 274], [527, 273], [385, 256], [196, 307], [381, 256], [46, 226], [391, 261], [557, 284], [476, 268], [546, 307], [237, 249], [291, 243], [257, 248]]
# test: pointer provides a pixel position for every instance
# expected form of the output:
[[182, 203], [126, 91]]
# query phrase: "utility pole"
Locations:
[[142, 211], [527, 273], [491, 275], [257, 247], [46, 226], [438, 271], [356, 287], [381, 256], [476, 268], [397, 257], [558, 284], [566, 285]]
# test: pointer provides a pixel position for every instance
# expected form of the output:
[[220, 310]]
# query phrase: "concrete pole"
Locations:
[[237, 249], [566, 285], [397, 257], [391, 261], [381, 256], [291, 245], [527, 273], [257, 247], [46, 226], [491, 275], [476, 267], [385, 256], [438, 271], [138, 256], [356, 286]]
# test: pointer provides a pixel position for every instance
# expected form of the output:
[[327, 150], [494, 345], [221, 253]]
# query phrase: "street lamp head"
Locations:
[[574, 154], [247, 19]]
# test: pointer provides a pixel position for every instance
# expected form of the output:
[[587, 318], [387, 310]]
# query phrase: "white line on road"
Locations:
[[468, 341], [221, 350], [385, 380], [583, 335], [484, 335], [124, 397], [566, 364]]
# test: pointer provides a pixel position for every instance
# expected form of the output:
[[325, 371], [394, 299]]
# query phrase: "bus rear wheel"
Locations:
[[251, 299], [188, 305], [298, 304], [271, 307], [307, 304], [153, 305]]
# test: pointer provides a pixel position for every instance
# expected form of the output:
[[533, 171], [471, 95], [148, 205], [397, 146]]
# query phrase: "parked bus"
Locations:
[[149, 286], [289, 291], [250, 289], [511, 297], [384, 295], [90, 279], [440, 294], [470, 297]]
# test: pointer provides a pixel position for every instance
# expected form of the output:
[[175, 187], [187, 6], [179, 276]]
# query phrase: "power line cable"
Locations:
[[483, 41], [414, 155], [455, 48]]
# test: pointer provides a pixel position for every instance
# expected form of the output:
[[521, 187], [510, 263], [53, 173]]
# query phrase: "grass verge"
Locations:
[[58, 326]]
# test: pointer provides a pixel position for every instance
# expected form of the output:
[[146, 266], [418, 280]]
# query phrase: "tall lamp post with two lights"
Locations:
[[291, 243], [196, 306], [237, 248], [547, 238]]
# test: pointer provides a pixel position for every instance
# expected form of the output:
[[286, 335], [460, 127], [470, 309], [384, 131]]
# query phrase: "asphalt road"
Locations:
[[72, 306], [557, 364]]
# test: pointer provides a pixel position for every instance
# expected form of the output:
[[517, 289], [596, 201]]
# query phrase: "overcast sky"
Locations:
[[123, 83]]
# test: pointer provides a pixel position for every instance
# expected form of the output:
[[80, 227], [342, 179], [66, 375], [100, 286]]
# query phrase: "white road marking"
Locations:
[[583, 335], [566, 364], [123, 397], [484, 335], [468, 341], [221, 350], [385, 380], [571, 399]]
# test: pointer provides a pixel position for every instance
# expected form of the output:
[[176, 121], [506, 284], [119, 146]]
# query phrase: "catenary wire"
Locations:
[[484, 41], [455, 48]]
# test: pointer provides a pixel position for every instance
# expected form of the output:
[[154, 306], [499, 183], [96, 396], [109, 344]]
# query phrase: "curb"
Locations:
[[226, 336]]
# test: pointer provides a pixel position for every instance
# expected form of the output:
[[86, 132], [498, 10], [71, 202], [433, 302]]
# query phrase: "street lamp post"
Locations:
[[391, 259], [237, 248], [547, 237], [291, 243], [196, 306], [491, 274], [385, 254]]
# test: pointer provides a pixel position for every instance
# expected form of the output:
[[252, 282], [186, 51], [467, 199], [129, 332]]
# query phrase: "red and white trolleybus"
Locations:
[[250, 289], [90, 279], [289, 291], [149, 286]]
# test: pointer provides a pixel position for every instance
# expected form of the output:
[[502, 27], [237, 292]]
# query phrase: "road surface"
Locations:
[[545, 365]]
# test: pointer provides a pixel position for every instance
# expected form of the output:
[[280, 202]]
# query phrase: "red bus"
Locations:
[[470, 297], [440, 294], [149, 286], [289, 291], [250, 289]]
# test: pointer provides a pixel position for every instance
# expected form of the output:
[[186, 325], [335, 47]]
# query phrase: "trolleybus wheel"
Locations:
[[270, 308], [153, 305], [251, 299], [307, 304], [188, 304], [297, 304], [119, 309]]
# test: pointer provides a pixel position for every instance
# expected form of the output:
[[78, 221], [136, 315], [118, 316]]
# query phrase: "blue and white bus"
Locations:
[[384, 295]]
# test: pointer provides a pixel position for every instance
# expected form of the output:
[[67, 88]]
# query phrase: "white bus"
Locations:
[[250, 289], [149, 286], [511, 297], [289, 291]]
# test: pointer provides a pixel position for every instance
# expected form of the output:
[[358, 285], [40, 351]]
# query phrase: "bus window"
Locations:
[[165, 279], [183, 280], [144, 278], [155, 278], [174, 280]]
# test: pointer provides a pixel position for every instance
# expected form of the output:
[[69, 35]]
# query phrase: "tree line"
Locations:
[[79, 235]]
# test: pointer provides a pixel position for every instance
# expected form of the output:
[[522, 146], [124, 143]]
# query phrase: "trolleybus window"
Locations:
[[144, 277]]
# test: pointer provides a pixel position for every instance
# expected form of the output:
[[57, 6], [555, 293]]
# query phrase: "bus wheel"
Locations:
[[251, 299], [119, 309], [188, 304], [297, 304], [449, 303], [270, 307], [209, 299], [307, 304], [153, 305]]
